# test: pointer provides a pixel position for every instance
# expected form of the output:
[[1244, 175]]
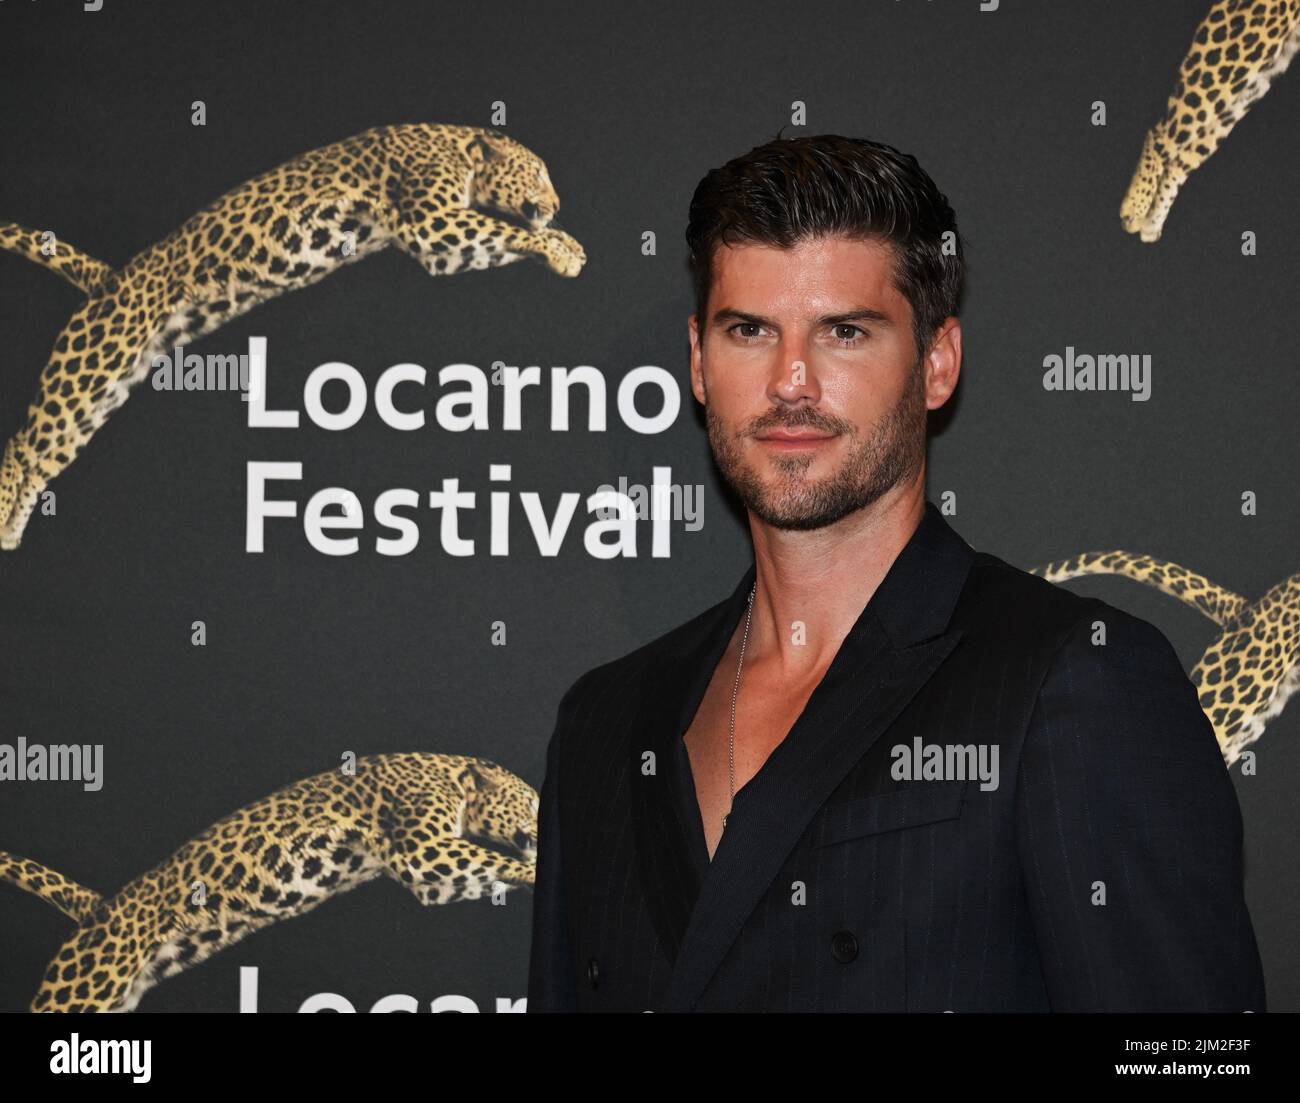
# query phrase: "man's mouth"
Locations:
[[791, 439]]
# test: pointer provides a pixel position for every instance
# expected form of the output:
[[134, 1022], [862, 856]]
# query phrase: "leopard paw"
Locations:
[[562, 252]]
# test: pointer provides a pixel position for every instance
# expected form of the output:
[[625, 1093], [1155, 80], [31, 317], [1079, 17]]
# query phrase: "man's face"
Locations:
[[815, 342]]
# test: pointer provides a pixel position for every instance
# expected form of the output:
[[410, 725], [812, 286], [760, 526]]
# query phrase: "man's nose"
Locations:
[[792, 369]]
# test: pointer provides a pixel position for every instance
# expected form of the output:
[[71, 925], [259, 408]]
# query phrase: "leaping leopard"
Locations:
[[1238, 50], [427, 189], [1250, 670], [422, 819]]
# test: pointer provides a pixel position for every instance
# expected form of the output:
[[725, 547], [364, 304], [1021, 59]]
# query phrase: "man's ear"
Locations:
[[943, 364], [698, 387]]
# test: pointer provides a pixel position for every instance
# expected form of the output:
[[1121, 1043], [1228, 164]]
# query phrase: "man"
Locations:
[[904, 775]]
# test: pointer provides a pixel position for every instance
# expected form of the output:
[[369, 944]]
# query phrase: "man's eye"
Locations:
[[842, 332]]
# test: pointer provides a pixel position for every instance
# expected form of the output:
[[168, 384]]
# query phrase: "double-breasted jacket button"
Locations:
[[844, 947], [593, 972]]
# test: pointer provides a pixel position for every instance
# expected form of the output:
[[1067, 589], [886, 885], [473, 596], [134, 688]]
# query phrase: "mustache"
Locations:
[[804, 417]]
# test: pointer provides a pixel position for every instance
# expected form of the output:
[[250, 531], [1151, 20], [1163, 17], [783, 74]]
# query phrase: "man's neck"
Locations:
[[813, 586]]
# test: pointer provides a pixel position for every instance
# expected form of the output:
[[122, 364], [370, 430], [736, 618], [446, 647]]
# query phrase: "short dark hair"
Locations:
[[791, 189]]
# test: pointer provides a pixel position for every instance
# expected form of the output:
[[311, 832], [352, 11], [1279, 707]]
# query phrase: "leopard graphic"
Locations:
[[1251, 668], [448, 827], [443, 194], [1238, 50]]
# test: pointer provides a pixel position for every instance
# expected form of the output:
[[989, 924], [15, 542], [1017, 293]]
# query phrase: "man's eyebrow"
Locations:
[[858, 314]]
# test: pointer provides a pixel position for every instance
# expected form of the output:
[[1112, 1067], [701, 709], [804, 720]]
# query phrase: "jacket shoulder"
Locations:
[[631, 666], [1029, 609]]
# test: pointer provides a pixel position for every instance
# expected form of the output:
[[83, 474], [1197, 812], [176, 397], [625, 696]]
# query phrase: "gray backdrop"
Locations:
[[309, 656]]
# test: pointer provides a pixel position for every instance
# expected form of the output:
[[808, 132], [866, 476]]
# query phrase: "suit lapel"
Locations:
[[846, 714], [669, 695], [896, 645]]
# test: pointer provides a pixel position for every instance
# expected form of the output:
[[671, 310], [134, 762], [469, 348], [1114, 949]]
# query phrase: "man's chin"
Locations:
[[797, 523], [795, 516]]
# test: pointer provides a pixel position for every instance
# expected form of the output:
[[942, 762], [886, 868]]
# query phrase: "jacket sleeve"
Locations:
[[1130, 835], [551, 978]]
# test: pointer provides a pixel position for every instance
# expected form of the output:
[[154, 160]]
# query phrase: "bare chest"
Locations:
[[765, 712]]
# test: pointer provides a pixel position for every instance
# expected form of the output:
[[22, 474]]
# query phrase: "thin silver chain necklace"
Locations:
[[731, 739]]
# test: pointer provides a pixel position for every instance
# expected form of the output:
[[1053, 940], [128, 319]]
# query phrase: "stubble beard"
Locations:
[[892, 454]]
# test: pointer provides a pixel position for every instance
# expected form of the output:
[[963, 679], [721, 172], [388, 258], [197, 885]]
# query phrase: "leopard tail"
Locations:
[[74, 900], [43, 247], [1219, 604]]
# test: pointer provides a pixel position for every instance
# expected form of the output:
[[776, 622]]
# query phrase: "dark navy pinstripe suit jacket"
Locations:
[[838, 888]]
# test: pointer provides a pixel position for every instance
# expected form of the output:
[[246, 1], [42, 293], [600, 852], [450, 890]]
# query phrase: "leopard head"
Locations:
[[510, 178], [500, 806]]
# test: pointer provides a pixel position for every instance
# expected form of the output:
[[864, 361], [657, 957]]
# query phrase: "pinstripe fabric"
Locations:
[[697, 847], [1103, 873]]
